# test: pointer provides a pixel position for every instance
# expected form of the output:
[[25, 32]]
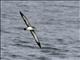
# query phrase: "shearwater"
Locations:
[[30, 28]]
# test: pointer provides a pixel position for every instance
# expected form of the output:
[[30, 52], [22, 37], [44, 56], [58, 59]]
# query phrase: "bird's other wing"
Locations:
[[25, 19], [36, 38]]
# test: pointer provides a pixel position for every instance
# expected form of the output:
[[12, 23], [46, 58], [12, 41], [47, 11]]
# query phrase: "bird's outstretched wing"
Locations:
[[25, 19], [36, 38]]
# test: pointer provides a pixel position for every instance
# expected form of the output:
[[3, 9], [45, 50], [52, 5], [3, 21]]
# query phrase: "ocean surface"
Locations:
[[58, 29]]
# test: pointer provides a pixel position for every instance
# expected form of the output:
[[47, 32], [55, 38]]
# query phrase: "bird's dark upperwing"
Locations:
[[36, 38], [25, 19]]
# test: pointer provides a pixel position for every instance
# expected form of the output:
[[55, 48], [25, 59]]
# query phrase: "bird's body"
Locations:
[[30, 28]]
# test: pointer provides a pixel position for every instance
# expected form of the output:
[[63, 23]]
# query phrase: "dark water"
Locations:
[[58, 28]]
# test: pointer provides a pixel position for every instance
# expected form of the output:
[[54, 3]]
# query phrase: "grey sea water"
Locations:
[[58, 29]]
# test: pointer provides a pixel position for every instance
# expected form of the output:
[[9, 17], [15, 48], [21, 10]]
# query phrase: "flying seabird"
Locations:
[[30, 28]]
